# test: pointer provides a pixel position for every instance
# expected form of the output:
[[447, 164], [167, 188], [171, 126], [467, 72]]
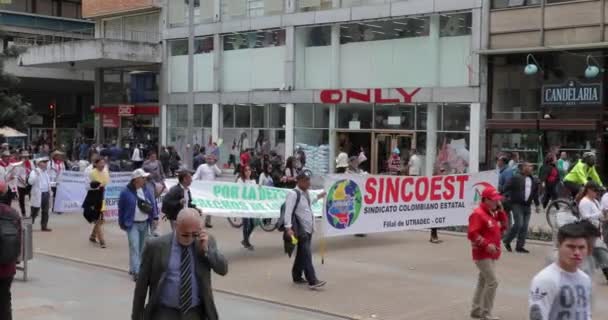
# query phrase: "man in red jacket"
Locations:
[[486, 226], [7, 271]]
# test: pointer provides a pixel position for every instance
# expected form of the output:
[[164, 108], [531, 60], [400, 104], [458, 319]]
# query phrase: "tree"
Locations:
[[14, 112]]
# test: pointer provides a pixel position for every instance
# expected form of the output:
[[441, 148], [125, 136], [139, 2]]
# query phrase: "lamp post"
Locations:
[[53, 108]]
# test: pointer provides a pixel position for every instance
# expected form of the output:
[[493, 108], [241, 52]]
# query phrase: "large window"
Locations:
[[313, 57], [453, 25], [203, 64], [384, 29], [178, 65], [355, 116], [178, 13], [500, 4], [392, 116], [314, 5], [177, 123], [312, 136], [251, 8], [253, 60]]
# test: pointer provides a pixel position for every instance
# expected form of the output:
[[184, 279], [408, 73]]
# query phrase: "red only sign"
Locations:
[[333, 96]]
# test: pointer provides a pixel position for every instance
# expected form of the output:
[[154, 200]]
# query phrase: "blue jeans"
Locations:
[[519, 229], [137, 237]]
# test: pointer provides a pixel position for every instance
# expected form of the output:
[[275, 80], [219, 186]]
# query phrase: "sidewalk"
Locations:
[[384, 276]]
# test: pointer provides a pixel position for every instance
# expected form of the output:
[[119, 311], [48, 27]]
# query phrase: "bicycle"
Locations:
[[266, 224]]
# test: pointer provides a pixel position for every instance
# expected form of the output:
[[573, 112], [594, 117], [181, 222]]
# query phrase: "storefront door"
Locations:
[[384, 144]]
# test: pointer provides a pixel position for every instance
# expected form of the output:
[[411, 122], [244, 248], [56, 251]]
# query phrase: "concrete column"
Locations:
[[336, 3], [217, 8], [332, 138], [474, 137], [215, 122], [190, 112], [434, 49], [163, 126], [289, 77], [290, 6], [163, 95], [335, 56], [97, 102], [431, 138], [217, 62], [289, 129]]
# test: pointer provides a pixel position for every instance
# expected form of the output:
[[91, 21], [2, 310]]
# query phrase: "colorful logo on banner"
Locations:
[[343, 204], [479, 188]]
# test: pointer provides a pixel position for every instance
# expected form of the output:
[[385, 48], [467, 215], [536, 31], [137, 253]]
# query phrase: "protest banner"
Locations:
[[72, 188], [369, 203], [229, 199]]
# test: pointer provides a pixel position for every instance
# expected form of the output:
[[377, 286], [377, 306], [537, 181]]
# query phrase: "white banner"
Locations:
[[72, 189], [368, 204], [230, 199]]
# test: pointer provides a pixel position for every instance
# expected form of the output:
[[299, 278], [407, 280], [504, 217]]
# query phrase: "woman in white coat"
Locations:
[[40, 194]]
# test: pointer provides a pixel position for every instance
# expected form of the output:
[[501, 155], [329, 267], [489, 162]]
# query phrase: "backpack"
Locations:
[[10, 239], [281, 221]]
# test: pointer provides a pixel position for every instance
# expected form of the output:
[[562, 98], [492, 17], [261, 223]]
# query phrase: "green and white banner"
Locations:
[[229, 199]]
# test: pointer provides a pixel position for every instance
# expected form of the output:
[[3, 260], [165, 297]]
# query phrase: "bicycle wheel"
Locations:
[[268, 225], [553, 208], [235, 222]]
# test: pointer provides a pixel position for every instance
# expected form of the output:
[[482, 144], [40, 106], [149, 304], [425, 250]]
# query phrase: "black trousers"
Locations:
[[44, 207], [574, 188], [550, 193], [303, 261], [248, 226], [6, 312], [22, 193]]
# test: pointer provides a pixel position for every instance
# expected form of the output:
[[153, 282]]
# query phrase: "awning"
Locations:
[[92, 54], [128, 110], [9, 132], [568, 124], [511, 124], [580, 46]]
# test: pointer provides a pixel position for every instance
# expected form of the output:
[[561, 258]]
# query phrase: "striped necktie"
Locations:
[[185, 287]]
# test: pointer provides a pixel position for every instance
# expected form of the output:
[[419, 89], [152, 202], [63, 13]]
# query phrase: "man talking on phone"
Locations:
[[176, 273], [487, 223]]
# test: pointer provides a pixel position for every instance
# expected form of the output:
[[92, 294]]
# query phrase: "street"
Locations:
[[391, 276], [62, 290]]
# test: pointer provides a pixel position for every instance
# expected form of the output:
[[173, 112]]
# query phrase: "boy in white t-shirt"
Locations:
[[562, 290]]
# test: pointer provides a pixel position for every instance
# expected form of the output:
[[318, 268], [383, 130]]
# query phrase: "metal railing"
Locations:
[[32, 21], [78, 35]]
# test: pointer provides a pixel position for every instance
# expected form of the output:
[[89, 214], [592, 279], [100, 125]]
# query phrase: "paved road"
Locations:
[[61, 290]]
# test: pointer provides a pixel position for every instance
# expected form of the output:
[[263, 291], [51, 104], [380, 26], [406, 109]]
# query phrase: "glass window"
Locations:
[[572, 142], [251, 40], [276, 115], [385, 29], [451, 25], [202, 115], [303, 115], [177, 116], [455, 117], [522, 144], [500, 4], [317, 36], [393, 116], [178, 12], [202, 45], [228, 115], [258, 119], [242, 116], [314, 5], [314, 143], [453, 152], [251, 8], [321, 116], [355, 116], [203, 10], [421, 116], [178, 47]]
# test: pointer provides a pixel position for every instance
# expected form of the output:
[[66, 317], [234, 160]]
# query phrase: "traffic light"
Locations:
[[52, 107]]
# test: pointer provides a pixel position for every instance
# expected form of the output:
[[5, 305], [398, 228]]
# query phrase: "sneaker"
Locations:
[[92, 239], [508, 247], [46, 229], [208, 225], [490, 317], [521, 250], [317, 285], [300, 281], [102, 244], [475, 315]]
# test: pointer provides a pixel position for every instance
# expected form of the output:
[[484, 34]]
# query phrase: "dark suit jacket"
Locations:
[[172, 202], [515, 191], [154, 264]]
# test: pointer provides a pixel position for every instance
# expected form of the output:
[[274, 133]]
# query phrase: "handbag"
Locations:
[[144, 206]]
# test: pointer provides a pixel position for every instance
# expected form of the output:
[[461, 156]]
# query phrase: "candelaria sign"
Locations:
[[572, 93], [369, 203]]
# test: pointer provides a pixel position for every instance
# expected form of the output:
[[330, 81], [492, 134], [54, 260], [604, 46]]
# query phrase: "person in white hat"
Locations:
[[41, 192], [137, 212], [22, 172]]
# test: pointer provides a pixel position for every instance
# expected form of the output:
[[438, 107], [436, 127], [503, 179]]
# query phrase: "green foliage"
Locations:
[[14, 112]]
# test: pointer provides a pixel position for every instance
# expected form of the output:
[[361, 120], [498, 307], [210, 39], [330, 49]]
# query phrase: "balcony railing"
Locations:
[[32, 21]]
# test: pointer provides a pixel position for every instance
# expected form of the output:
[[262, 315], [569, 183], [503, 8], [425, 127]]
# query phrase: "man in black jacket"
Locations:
[[521, 190], [178, 197]]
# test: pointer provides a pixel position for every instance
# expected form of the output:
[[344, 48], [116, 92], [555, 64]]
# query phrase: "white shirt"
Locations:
[[604, 202], [414, 165], [207, 172], [590, 210], [137, 155], [186, 196], [44, 182], [556, 294], [266, 180], [528, 190], [250, 181], [140, 216]]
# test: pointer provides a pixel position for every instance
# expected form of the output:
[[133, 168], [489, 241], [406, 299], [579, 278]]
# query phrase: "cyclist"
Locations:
[[582, 172]]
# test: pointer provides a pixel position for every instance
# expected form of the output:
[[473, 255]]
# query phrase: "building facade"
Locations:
[[545, 80], [30, 23], [326, 75]]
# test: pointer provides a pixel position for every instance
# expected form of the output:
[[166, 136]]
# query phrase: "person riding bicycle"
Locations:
[[581, 173]]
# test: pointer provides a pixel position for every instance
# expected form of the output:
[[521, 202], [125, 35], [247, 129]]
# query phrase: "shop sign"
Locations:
[[572, 93], [110, 120], [126, 110], [334, 96]]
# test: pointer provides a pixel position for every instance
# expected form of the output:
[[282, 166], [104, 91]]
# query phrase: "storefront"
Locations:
[[129, 124], [556, 110]]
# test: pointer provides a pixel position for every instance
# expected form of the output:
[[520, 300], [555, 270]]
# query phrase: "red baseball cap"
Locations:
[[491, 193]]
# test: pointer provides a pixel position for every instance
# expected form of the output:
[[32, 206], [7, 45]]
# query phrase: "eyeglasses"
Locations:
[[194, 235]]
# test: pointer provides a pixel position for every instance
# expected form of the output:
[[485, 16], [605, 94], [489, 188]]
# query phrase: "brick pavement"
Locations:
[[397, 276]]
